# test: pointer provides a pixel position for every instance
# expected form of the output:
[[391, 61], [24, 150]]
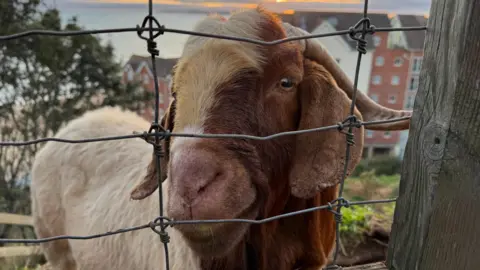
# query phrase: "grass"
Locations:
[[360, 219]]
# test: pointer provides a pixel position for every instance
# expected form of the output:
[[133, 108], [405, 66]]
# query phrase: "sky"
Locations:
[[103, 15], [397, 6]]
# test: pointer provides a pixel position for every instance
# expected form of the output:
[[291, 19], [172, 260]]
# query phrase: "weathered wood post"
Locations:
[[437, 217]]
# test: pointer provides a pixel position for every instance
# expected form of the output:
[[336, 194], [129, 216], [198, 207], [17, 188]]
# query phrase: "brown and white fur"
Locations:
[[219, 86]]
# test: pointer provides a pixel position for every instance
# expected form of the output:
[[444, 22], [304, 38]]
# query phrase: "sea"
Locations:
[[127, 43]]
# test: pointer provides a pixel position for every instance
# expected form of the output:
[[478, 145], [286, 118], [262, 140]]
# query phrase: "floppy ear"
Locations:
[[319, 157], [150, 183]]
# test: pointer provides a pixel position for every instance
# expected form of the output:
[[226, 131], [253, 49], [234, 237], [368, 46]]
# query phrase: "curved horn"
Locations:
[[371, 111]]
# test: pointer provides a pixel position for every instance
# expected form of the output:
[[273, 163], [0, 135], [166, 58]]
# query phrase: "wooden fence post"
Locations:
[[437, 218]]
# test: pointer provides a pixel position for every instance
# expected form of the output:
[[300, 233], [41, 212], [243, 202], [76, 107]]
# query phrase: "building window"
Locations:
[[379, 61], [376, 41], [398, 62], [170, 82], [146, 78], [369, 133], [374, 97], [130, 75], [417, 64], [333, 21], [377, 79], [387, 134], [409, 104], [303, 23], [395, 80], [413, 85], [392, 99]]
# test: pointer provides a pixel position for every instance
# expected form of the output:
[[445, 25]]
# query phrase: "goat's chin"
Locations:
[[213, 240]]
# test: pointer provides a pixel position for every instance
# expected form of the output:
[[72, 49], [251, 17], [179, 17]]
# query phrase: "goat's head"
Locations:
[[233, 87]]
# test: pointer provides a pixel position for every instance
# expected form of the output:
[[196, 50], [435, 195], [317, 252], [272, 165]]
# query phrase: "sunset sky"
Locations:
[[402, 6]]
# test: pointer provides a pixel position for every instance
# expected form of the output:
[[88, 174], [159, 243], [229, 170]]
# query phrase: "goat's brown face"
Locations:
[[225, 87]]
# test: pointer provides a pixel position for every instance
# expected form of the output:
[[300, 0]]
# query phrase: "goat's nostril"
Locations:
[[202, 189], [217, 175]]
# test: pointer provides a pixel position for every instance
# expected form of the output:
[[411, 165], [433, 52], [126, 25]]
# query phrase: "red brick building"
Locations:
[[385, 71], [139, 68], [413, 42], [388, 81], [394, 79]]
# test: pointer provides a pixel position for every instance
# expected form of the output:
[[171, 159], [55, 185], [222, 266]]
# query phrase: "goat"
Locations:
[[219, 86]]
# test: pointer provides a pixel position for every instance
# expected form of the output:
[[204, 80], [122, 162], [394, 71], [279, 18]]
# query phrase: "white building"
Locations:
[[341, 47], [345, 54]]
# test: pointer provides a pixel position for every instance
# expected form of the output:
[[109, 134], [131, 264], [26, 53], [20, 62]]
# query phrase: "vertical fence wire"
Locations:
[[156, 127], [361, 47]]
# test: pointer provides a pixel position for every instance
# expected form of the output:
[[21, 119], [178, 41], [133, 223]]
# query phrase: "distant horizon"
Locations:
[[101, 15], [417, 7]]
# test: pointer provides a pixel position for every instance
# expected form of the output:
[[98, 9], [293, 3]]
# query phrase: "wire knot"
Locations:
[[350, 138], [154, 31], [160, 133], [362, 45], [352, 122], [157, 150], [164, 237], [340, 202], [338, 215], [152, 47], [159, 221], [367, 29]]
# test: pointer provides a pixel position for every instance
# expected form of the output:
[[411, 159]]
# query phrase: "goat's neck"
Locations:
[[298, 242], [243, 257]]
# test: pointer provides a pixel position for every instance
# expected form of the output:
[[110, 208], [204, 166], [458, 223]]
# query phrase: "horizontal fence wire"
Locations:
[[186, 32], [171, 222], [363, 27], [145, 135]]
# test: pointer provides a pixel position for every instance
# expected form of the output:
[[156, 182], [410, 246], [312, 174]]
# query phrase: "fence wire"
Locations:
[[154, 29]]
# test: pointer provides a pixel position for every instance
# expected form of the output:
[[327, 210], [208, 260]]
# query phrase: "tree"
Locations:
[[45, 81]]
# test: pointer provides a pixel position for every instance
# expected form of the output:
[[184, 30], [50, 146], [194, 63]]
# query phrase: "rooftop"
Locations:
[[163, 66], [340, 20], [415, 39]]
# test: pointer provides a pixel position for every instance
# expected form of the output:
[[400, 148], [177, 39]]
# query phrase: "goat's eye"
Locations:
[[286, 83]]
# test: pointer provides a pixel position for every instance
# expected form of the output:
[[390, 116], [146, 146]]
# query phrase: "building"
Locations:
[[383, 71], [342, 47], [139, 68], [388, 81], [413, 42]]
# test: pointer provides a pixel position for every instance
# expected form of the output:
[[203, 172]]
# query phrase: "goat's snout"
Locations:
[[195, 172], [201, 182], [207, 181]]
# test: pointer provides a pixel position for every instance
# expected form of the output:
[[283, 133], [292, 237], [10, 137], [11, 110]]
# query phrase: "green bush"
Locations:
[[357, 220], [384, 165]]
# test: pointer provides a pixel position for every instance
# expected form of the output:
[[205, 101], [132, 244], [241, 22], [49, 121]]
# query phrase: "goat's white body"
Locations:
[[84, 189]]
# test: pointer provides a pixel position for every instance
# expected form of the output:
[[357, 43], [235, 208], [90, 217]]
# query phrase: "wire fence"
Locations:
[[363, 27]]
